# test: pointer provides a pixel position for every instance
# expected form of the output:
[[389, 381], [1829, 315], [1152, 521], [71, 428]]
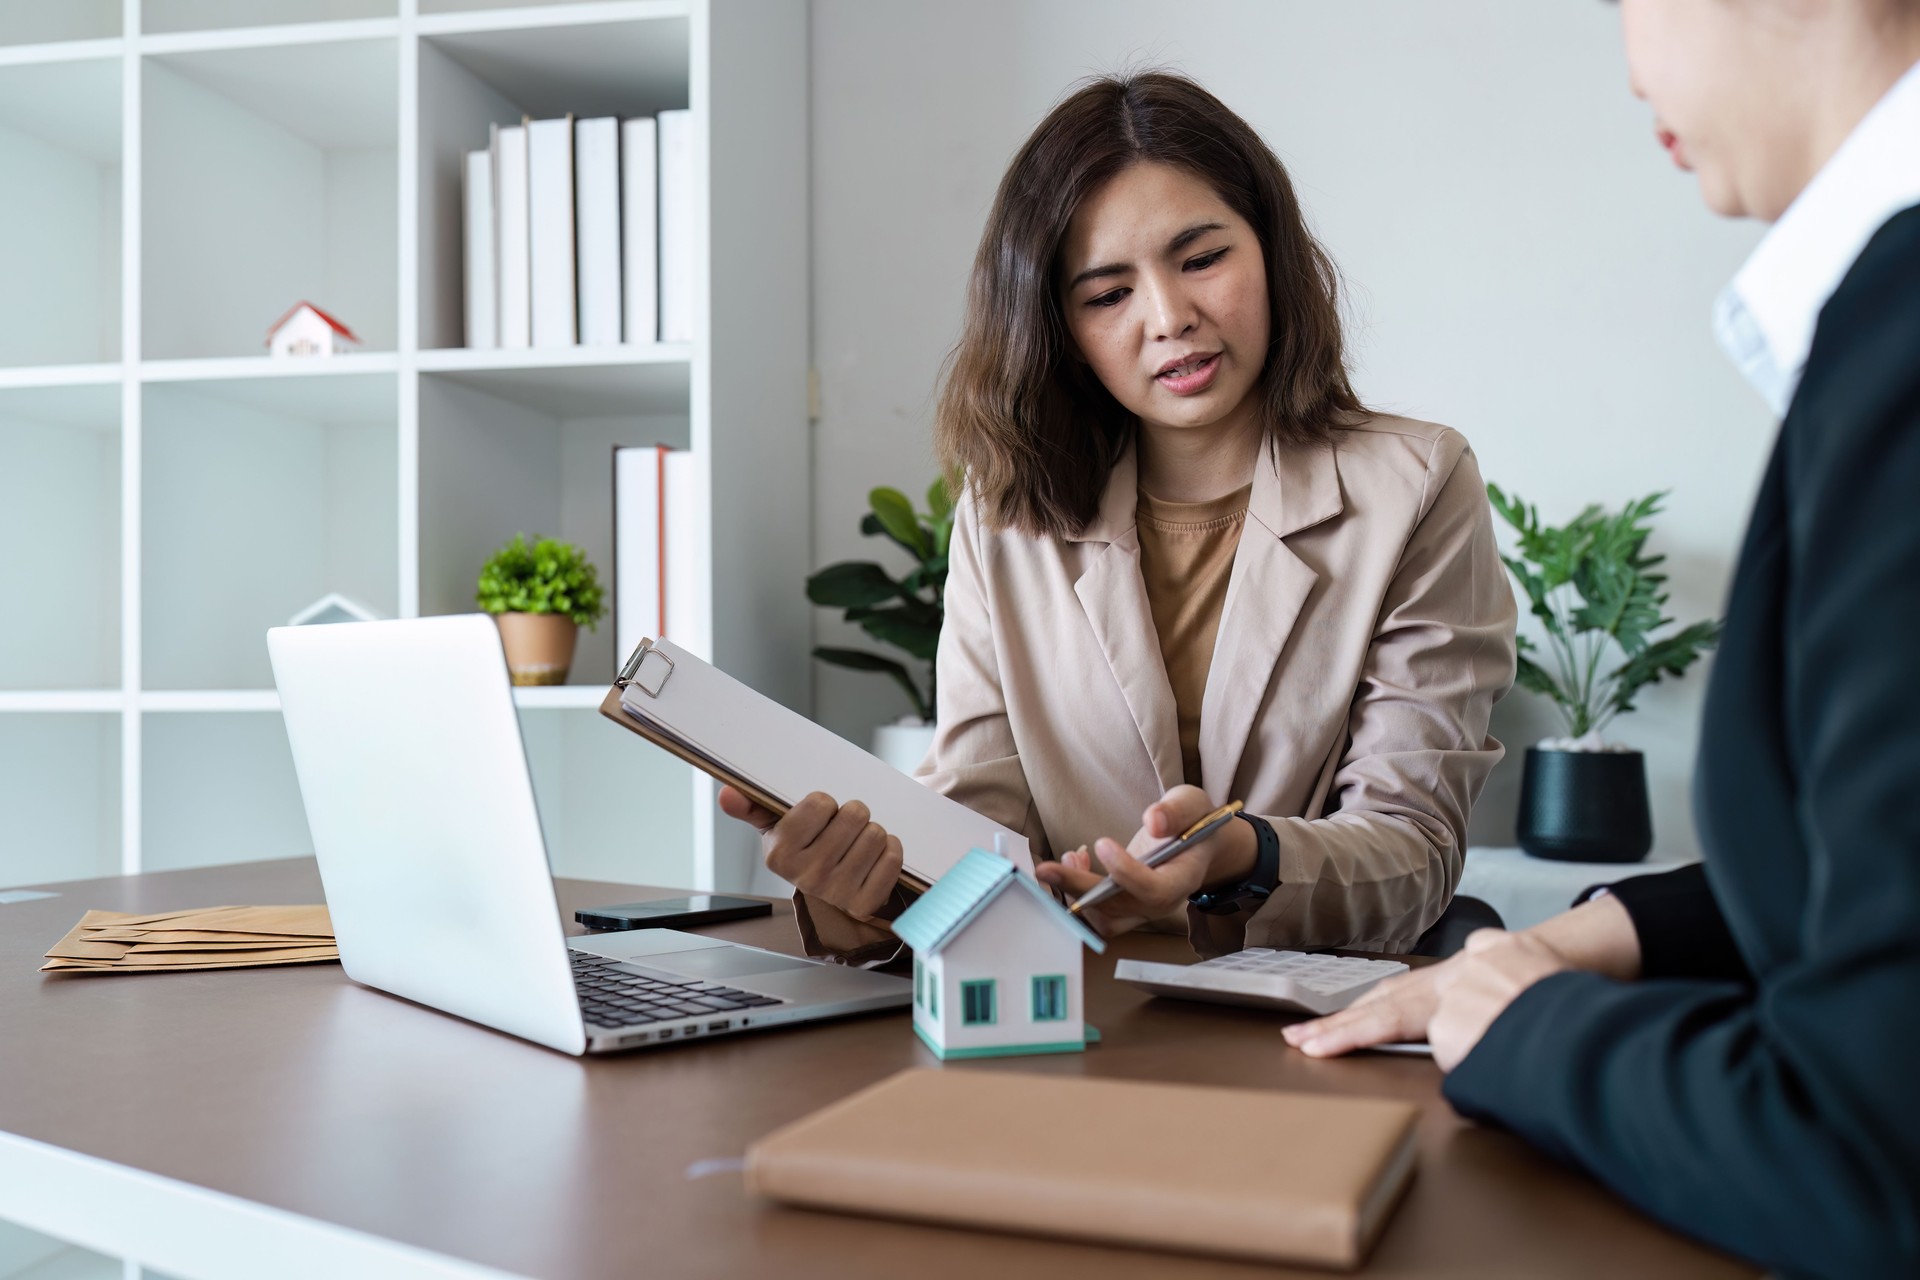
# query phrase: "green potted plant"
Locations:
[[1599, 598], [904, 613], [540, 594]]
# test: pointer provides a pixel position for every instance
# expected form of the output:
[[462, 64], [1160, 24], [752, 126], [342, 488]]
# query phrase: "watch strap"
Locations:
[[1261, 881]]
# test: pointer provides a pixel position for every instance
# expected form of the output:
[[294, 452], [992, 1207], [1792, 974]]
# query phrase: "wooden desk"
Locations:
[[286, 1122]]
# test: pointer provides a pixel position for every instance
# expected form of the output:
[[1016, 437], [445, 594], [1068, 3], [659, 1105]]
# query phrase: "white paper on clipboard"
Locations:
[[787, 755]]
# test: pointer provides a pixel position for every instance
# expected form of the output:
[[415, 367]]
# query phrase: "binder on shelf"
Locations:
[[640, 231], [774, 756], [677, 239], [550, 231], [596, 184], [483, 308], [510, 222], [654, 491]]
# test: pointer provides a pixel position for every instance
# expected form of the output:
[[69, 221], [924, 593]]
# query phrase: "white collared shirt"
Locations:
[[1765, 317]]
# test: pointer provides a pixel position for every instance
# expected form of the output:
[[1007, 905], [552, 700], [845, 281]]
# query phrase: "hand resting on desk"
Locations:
[[1454, 1002], [834, 852]]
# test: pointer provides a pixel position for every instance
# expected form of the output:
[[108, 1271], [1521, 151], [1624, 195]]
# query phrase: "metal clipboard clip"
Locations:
[[630, 674]]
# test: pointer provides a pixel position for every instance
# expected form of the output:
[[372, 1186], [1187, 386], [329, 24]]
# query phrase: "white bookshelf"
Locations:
[[180, 172]]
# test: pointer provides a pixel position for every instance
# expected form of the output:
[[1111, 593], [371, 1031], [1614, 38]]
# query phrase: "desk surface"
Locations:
[[295, 1089]]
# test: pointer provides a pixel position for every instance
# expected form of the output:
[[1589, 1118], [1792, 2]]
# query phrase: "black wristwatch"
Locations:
[[1252, 891]]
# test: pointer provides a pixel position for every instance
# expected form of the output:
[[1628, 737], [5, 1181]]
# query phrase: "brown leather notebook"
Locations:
[[1287, 1177]]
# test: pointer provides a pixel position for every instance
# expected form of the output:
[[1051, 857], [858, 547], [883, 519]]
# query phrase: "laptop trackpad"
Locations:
[[725, 962]]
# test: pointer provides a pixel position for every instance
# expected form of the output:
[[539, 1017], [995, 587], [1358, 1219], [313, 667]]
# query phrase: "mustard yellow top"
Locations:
[[1186, 558]]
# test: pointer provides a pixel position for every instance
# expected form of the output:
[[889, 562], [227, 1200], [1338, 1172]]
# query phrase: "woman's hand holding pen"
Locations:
[[1149, 893], [833, 852]]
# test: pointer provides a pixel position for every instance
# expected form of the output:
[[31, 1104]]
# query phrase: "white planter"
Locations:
[[903, 744]]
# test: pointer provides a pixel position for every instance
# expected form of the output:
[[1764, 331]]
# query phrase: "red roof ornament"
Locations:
[[294, 310]]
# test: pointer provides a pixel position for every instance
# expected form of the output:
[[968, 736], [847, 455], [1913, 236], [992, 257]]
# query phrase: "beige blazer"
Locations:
[[1367, 632]]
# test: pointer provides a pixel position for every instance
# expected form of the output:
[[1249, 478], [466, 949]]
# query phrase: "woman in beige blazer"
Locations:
[[1188, 566]]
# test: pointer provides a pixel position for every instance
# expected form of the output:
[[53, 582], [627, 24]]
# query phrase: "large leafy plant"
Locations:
[[546, 576], [904, 612], [1595, 590]]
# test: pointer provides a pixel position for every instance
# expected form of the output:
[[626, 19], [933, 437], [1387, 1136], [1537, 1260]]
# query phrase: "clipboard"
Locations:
[[736, 735]]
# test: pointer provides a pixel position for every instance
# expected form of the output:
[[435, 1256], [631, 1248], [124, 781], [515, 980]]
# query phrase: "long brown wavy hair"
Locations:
[[1027, 426]]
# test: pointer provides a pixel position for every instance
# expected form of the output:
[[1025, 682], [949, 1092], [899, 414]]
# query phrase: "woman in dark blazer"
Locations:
[[1734, 1047]]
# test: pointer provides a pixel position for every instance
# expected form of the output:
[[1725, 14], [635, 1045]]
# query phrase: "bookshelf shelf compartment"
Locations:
[[492, 466], [260, 496], [271, 179], [60, 219], [470, 81], [25, 22], [162, 16], [582, 382], [59, 797], [611, 806], [60, 495], [220, 788]]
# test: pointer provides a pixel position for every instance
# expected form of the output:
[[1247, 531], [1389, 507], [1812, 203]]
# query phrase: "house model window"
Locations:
[[976, 1002], [997, 964], [1050, 998]]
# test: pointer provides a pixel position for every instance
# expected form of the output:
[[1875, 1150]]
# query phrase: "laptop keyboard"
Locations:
[[614, 997]]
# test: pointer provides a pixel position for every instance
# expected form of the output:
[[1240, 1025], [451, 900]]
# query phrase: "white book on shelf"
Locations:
[[677, 240], [596, 187], [654, 593], [483, 308], [640, 229], [682, 595], [550, 231], [510, 222], [639, 533]]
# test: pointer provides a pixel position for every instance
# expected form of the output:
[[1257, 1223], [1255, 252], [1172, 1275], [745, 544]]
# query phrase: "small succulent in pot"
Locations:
[[540, 593]]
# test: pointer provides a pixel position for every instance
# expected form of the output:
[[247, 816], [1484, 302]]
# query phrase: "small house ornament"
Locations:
[[996, 964], [306, 330], [330, 608]]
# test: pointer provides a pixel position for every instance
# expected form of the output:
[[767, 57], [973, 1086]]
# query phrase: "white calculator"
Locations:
[[1262, 978]]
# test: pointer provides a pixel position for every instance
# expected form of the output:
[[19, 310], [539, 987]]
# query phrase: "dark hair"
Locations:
[[1029, 428]]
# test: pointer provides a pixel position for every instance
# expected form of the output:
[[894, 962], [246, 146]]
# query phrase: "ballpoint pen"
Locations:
[[1173, 848]]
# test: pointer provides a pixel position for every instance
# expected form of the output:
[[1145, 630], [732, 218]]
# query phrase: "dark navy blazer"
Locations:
[[1760, 1087]]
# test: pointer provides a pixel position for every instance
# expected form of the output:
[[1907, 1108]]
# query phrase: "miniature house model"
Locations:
[[330, 608], [307, 331], [996, 966]]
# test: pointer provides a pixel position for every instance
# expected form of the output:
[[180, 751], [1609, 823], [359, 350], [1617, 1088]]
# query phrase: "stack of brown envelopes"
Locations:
[[207, 938]]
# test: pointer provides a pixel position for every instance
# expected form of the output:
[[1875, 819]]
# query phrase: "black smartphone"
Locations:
[[673, 913]]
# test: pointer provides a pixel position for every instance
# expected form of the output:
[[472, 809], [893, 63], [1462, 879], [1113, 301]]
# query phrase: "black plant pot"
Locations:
[[1585, 806]]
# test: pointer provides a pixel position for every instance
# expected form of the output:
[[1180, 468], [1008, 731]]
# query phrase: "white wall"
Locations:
[[1523, 263]]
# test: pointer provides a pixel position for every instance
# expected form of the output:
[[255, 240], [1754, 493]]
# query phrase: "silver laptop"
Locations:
[[408, 751]]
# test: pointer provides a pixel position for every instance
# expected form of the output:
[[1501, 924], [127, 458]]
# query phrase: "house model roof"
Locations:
[[294, 310], [964, 892], [333, 602]]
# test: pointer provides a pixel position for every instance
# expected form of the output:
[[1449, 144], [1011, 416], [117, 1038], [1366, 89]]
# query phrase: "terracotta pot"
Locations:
[[539, 646]]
